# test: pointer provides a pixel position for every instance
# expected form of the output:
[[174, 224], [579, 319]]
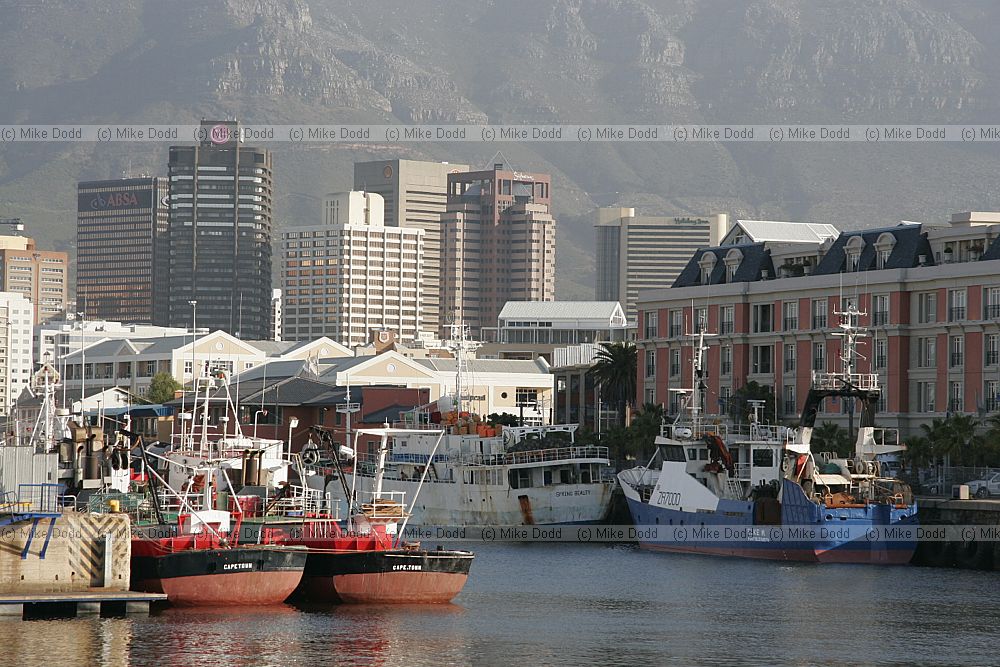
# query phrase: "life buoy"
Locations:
[[310, 456]]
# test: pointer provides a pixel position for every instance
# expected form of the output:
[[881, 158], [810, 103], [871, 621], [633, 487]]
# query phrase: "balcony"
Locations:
[[790, 323], [880, 318], [992, 357], [956, 313], [991, 311], [956, 359], [726, 327], [819, 322]]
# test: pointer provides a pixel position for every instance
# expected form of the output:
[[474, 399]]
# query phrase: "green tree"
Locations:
[[740, 408], [162, 388], [615, 373], [829, 437]]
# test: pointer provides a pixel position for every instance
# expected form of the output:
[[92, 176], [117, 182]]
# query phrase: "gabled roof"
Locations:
[[110, 347], [910, 242], [272, 348], [560, 310], [776, 231]]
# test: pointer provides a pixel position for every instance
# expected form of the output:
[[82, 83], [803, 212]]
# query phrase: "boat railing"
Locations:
[[689, 430], [834, 381], [416, 426], [385, 505], [741, 471], [537, 456], [301, 501]]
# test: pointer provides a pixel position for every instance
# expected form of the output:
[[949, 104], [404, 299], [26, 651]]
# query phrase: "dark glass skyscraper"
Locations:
[[120, 231], [220, 234]]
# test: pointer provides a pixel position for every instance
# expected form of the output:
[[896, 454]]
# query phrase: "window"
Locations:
[[727, 319], [725, 360], [992, 344], [925, 397], [650, 396], [819, 357], [700, 319], [819, 314], [526, 396], [676, 323], [956, 305], [761, 359], [926, 352], [790, 315], [675, 362], [991, 304], [763, 458], [955, 399], [789, 357], [880, 310], [991, 394], [725, 394], [927, 307], [789, 399], [763, 318], [650, 363], [650, 319], [956, 351], [883, 401], [881, 353], [882, 257]]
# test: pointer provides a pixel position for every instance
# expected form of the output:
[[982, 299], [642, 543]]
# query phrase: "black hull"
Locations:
[[200, 562]]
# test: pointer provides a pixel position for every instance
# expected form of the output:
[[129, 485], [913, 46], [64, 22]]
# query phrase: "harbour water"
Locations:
[[572, 604]]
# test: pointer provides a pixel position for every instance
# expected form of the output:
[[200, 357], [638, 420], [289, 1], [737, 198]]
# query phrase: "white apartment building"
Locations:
[[16, 319], [351, 275]]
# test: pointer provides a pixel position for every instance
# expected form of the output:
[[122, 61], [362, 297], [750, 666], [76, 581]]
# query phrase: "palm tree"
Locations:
[[614, 371]]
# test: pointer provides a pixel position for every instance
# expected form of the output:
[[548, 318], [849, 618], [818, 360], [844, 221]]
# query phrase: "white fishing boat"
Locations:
[[532, 475]]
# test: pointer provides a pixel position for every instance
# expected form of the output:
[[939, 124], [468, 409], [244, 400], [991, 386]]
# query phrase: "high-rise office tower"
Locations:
[[498, 244], [121, 266], [41, 276], [351, 275], [220, 234], [415, 194], [646, 252], [16, 319]]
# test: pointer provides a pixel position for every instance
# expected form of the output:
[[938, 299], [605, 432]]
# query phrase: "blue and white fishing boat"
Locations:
[[763, 493]]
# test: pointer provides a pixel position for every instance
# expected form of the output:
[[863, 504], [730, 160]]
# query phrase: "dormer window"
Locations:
[[883, 250], [707, 265], [853, 251], [733, 260]]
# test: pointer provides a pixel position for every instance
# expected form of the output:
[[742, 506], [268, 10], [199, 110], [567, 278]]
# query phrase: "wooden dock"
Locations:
[[110, 603]]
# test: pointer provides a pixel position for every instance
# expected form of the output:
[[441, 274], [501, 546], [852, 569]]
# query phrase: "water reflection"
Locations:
[[566, 604]]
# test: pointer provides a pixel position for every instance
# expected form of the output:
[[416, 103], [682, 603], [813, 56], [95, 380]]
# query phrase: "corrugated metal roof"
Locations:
[[558, 310], [487, 365], [777, 231]]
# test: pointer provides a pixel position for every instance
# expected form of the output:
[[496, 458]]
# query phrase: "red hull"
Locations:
[[399, 587], [230, 589]]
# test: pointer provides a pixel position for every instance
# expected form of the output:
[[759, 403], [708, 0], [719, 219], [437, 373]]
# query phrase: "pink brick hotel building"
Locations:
[[770, 291]]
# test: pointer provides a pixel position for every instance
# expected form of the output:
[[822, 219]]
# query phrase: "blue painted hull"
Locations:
[[807, 532]]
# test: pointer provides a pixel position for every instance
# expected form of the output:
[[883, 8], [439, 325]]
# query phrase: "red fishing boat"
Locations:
[[366, 560], [198, 561]]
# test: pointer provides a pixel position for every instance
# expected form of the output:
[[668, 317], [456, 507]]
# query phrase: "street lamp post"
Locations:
[[292, 423]]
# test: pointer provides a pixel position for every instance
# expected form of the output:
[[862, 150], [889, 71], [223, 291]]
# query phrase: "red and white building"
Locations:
[[930, 294]]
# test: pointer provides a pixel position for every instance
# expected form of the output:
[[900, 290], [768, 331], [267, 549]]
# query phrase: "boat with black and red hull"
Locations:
[[198, 560], [367, 560]]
